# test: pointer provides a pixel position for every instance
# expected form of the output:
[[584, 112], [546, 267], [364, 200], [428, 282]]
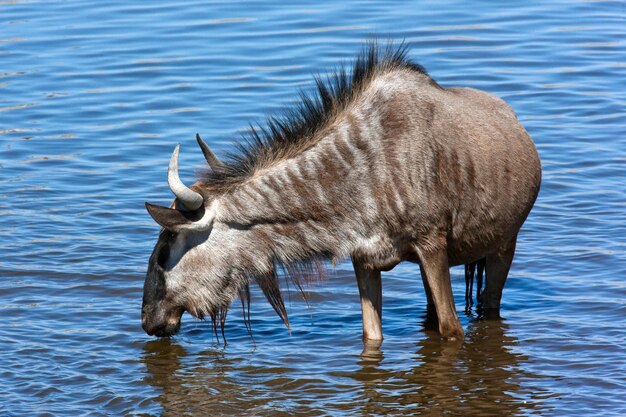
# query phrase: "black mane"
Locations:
[[295, 130]]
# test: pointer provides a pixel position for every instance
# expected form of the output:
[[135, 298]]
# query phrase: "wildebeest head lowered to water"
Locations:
[[383, 165]]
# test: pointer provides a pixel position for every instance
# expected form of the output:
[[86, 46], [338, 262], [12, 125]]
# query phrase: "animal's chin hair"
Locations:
[[204, 300], [207, 302], [217, 315], [208, 305]]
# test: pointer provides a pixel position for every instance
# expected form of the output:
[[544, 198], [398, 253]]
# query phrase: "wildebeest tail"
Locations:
[[473, 271]]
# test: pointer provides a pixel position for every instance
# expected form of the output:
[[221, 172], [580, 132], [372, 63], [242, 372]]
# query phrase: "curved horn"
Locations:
[[191, 199], [210, 157]]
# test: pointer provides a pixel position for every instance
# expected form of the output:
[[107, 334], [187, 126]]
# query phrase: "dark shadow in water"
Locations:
[[480, 376], [191, 384]]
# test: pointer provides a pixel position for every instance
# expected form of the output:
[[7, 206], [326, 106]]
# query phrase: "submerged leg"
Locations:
[[480, 268], [370, 290], [469, 283], [497, 269], [435, 268]]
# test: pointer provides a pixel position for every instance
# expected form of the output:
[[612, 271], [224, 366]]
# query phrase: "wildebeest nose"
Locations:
[[155, 330]]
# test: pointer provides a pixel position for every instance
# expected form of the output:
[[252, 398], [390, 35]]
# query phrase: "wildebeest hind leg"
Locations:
[[370, 290], [434, 266], [497, 268]]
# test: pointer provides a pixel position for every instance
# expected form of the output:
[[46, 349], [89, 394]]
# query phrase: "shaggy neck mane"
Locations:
[[297, 129]]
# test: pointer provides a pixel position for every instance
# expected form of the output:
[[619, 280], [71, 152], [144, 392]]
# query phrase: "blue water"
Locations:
[[95, 95]]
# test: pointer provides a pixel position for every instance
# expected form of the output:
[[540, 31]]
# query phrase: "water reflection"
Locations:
[[190, 383], [163, 360], [483, 375]]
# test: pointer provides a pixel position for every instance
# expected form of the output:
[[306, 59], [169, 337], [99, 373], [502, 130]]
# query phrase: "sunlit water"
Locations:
[[93, 98]]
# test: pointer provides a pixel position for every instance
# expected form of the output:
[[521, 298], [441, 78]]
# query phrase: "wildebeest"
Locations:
[[382, 165]]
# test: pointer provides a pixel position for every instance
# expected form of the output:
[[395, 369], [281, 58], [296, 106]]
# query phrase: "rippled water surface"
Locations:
[[93, 98]]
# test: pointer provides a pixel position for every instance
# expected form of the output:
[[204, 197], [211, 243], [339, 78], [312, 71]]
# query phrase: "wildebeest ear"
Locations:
[[173, 219]]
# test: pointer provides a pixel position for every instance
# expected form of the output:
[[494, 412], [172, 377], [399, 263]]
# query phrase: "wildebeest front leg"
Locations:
[[497, 268], [429, 295], [435, 268], [431, 321], [370, 290]]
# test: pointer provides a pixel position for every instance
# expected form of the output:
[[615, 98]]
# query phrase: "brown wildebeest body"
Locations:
[[478, 176], [388, 167]]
